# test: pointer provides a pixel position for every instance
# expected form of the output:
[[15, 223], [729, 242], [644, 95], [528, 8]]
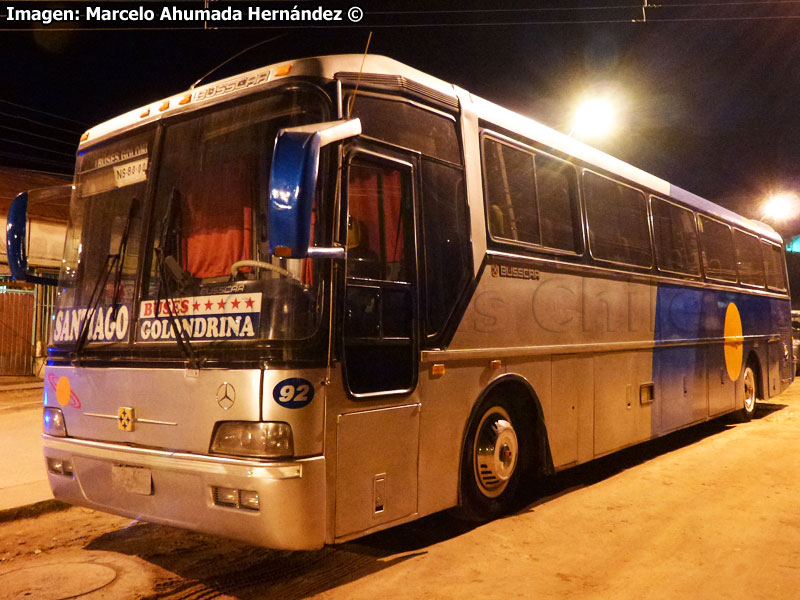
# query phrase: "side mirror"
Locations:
[[17, 240], [293, 182]]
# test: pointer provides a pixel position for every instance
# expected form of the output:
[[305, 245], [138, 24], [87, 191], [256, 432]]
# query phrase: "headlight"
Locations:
[[54, 422], [245, 438]]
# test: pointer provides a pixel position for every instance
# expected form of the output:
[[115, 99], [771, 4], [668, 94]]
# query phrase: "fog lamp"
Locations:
[[255, 439], [58, 466], [248, 499], [226, 496]]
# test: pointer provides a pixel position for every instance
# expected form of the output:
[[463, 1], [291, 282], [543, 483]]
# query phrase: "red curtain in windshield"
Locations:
[[217, 224]]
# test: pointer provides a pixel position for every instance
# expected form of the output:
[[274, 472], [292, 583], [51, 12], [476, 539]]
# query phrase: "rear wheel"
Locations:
[[750, 394], [492, 461]]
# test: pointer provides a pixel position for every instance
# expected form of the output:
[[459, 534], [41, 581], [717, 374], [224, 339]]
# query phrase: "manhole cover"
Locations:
[[55, 582]]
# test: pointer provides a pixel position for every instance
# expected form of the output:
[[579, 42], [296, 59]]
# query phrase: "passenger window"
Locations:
[[675, 238], [531, 198], [748, 255], [559, 210], [511, 193], [719, 261], [775, 266], [617, 219]]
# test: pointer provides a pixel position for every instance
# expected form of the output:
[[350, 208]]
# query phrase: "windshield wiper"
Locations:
[[111, 261], [121, 254], [168, 268]]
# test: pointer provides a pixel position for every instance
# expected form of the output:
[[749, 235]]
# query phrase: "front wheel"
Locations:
[[492, 462]]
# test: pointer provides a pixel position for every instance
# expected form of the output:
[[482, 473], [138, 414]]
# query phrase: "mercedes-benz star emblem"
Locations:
[[226, 395]]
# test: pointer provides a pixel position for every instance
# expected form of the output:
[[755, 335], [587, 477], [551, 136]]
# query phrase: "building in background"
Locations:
[[26, 309]]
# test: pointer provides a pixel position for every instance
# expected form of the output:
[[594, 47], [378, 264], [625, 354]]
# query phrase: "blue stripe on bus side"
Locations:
[[685, 313]]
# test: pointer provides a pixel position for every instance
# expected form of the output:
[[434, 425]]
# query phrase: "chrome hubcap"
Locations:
[[495, 452], [749, 390]]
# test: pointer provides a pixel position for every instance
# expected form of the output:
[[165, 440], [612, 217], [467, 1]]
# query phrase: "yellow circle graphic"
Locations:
[[733, 341], [63, 391]]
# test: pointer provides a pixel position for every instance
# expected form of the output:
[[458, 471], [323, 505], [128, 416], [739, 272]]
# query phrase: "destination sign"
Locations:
[[202, 318], [106, 324]]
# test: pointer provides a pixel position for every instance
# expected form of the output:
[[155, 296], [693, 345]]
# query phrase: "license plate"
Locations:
[[136, 480]]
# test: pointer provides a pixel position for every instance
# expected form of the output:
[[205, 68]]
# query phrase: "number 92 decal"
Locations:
[[295, 392]]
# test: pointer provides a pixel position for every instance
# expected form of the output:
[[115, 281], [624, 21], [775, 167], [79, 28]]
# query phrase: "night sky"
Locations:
[[709, 89]]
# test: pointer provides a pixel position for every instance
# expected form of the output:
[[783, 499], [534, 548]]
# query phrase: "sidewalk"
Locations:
[[13, 382], [23, 477]]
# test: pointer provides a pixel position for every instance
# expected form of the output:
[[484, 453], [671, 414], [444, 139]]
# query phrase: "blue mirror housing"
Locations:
[[15, 237], [16, 232], [293, 183]]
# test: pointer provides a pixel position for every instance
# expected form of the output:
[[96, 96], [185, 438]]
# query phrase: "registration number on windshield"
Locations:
[[130, 172]]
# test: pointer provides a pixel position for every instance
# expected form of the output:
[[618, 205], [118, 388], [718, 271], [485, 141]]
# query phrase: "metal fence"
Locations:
[[26, 317], [16, 331]]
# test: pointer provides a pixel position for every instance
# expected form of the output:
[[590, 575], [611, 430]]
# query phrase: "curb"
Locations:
[[11, 408], [12, 387], [32, 510]]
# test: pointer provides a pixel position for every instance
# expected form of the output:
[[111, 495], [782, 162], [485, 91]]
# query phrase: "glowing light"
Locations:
[[594, 118], [781, 206]]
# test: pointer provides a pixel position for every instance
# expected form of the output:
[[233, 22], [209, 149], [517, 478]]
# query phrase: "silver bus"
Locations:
[[321, 298]]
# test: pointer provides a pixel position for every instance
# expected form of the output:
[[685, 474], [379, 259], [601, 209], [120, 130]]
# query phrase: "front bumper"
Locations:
[[291, 512]]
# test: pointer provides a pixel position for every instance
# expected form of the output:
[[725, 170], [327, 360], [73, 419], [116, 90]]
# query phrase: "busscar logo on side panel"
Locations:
[[515, 272]]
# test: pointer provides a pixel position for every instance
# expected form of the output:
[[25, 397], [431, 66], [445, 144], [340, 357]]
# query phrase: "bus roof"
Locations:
[[328, 67]]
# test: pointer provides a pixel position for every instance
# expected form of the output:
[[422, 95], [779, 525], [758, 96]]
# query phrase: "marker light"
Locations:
[[54, 422], [256, 439], [283, 70]]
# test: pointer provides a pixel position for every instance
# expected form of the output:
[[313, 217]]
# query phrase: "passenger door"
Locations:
[[380, 322], [378, 430]]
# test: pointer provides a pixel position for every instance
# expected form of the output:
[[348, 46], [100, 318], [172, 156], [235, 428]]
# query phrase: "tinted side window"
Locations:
[[447, 249], [617, 219], [409, 126], [511, 193], [775, 266], [559, 210], [531, 198], [675, 238], [719, 259], [748, 254]]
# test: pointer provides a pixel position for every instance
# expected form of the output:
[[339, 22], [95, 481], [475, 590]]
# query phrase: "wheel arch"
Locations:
[[521, 393]]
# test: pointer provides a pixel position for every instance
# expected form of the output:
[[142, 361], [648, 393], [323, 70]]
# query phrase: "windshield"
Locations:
[[102, 243], [208, 276]]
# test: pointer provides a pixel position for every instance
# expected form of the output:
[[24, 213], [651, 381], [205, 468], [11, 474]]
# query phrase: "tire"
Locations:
[[749, 382], [494, 458]]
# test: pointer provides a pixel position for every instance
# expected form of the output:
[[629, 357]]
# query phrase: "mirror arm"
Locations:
[[337, 253]]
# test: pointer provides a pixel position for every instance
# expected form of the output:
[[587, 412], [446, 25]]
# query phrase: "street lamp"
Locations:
[[781, 206], [594, 118]]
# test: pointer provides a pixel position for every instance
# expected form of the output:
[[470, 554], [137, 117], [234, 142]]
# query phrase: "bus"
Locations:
[[336, 294]]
